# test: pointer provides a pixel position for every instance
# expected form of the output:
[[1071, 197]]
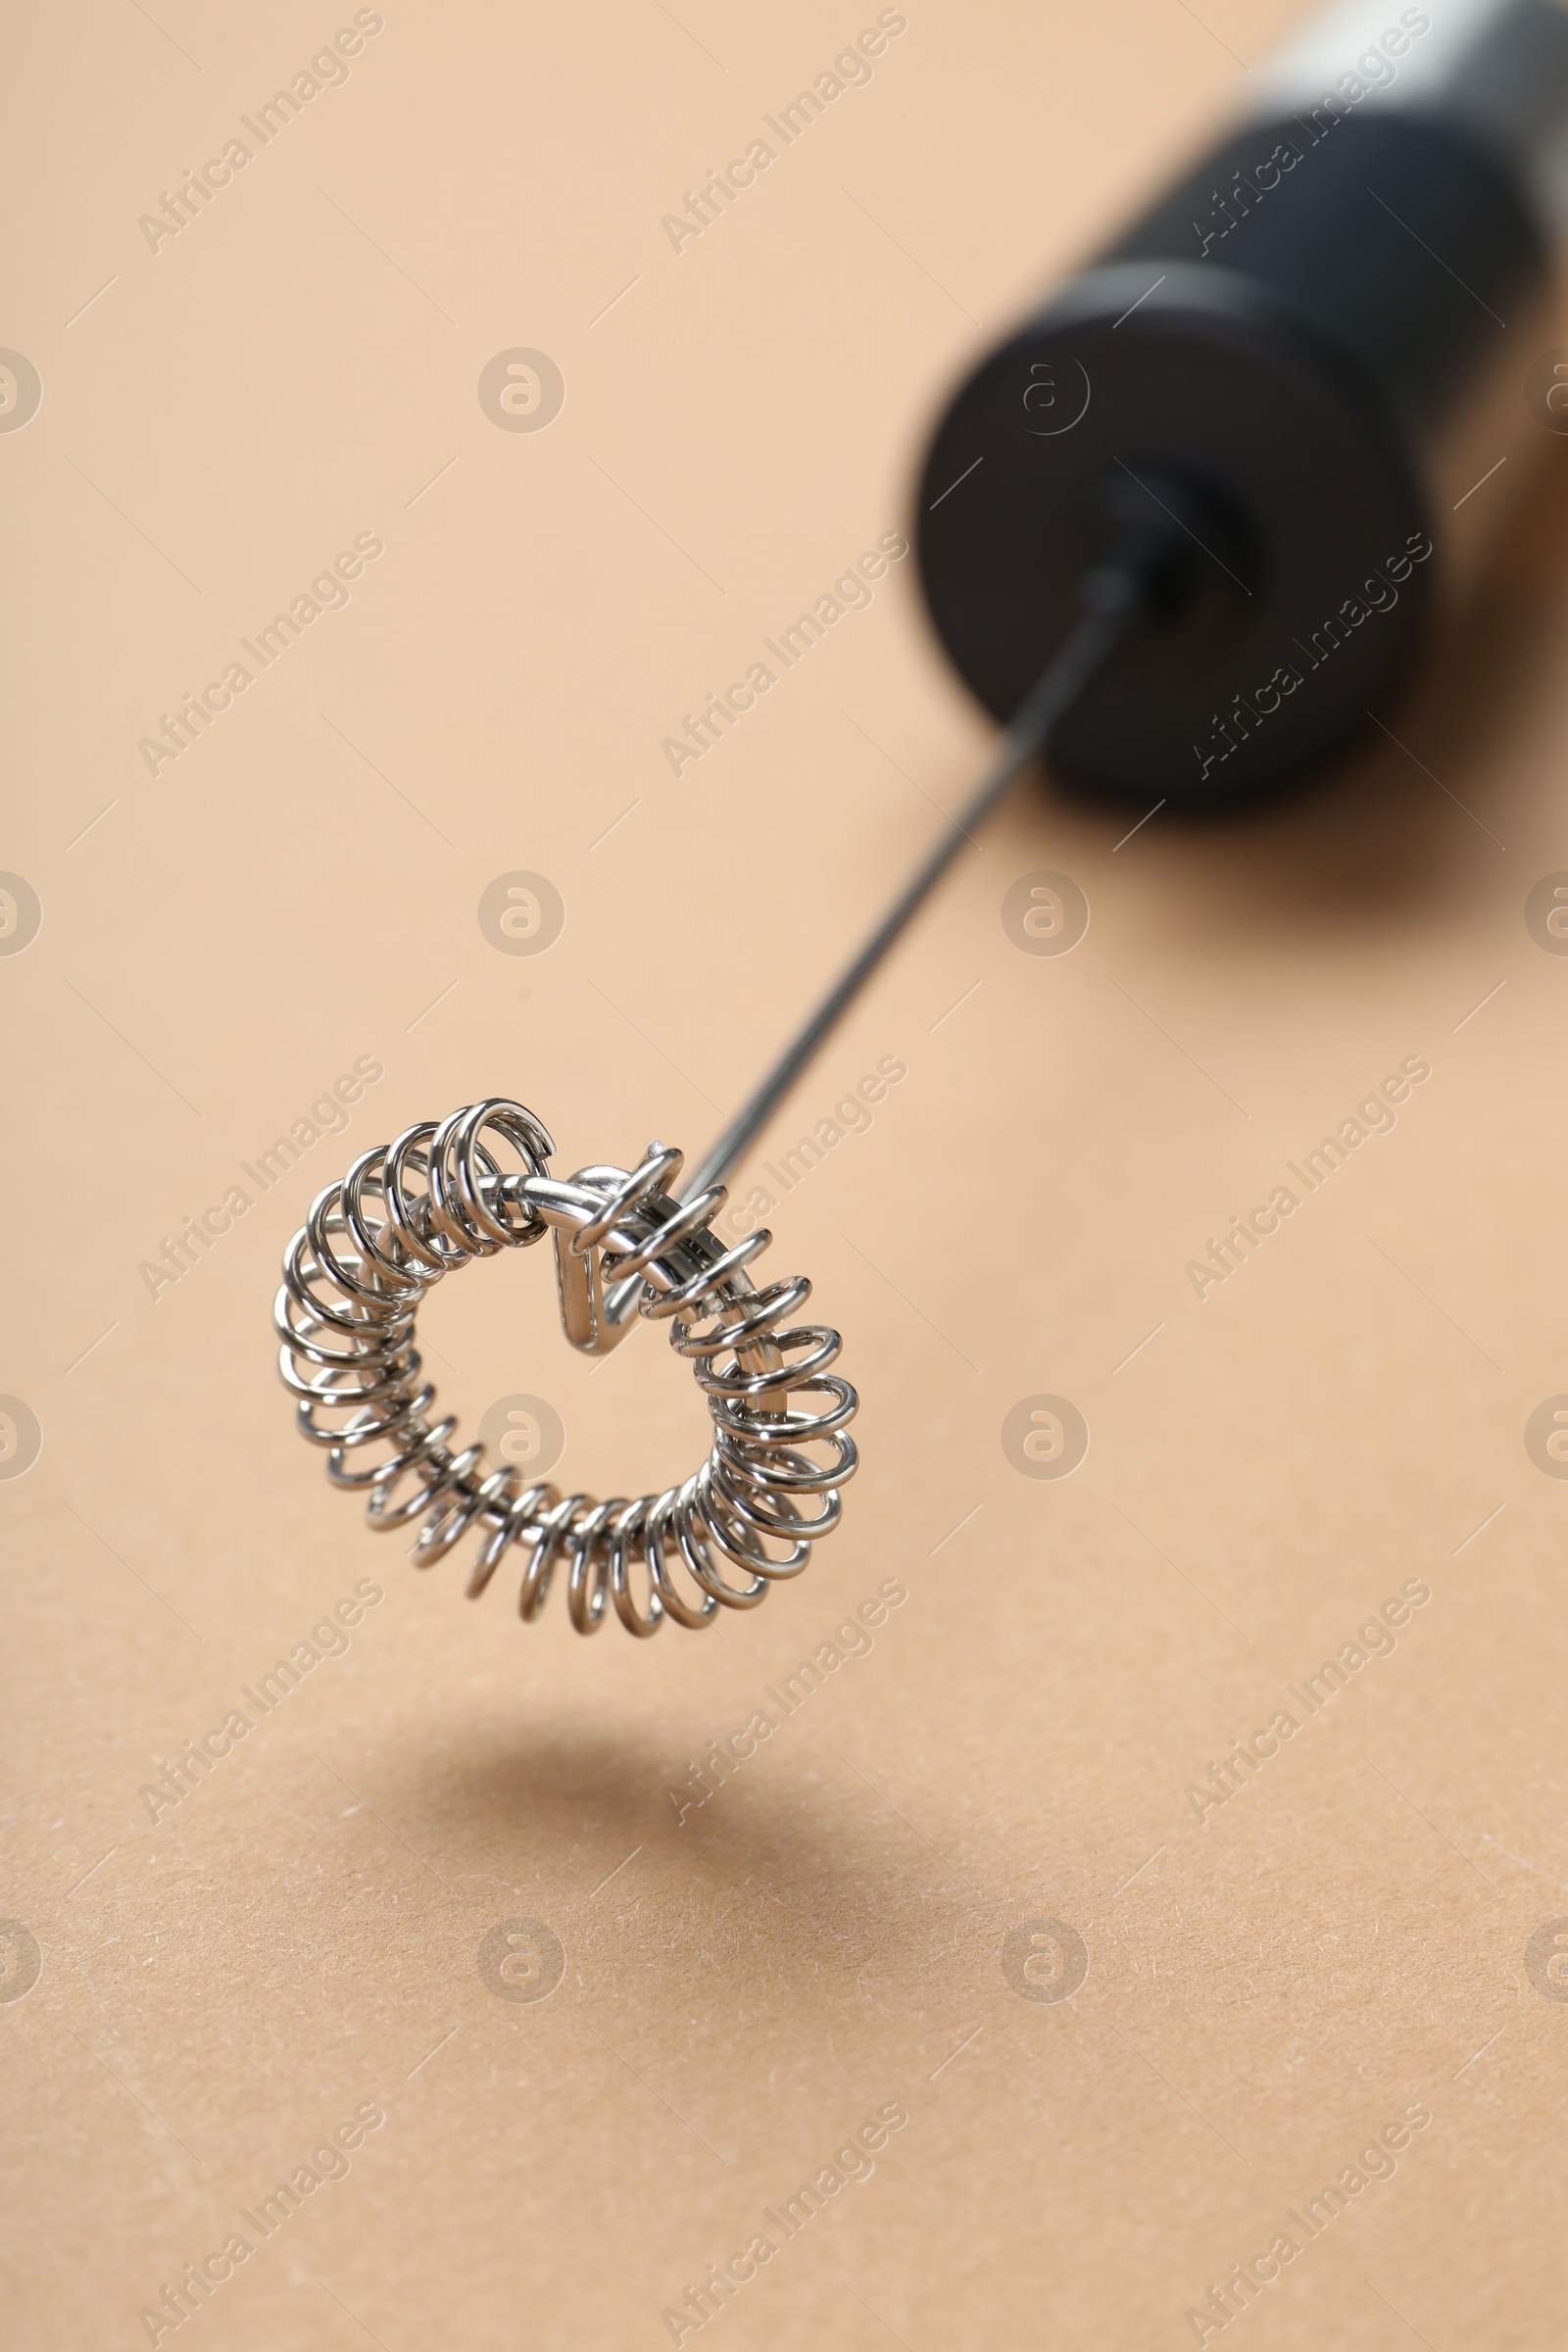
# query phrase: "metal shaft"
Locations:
[[1114, 597]]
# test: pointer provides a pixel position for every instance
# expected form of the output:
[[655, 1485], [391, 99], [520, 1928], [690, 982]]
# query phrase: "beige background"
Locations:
[[297, 1937]]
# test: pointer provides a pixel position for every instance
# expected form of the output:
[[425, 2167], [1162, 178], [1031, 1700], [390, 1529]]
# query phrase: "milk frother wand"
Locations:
[[1181, 530]]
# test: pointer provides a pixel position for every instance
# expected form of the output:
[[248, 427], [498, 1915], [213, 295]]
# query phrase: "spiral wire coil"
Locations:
[[440, 1196]]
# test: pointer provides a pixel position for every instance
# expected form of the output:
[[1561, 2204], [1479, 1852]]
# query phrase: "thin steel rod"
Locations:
[[1117, 606]]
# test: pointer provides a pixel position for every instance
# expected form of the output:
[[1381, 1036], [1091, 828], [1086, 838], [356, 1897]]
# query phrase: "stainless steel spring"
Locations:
[[413, 1210]]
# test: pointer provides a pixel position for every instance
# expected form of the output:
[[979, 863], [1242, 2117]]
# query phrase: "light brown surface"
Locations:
[[1266, 1989]]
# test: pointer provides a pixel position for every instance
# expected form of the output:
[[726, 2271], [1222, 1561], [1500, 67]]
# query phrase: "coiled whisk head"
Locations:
[[412, 1211]]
